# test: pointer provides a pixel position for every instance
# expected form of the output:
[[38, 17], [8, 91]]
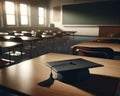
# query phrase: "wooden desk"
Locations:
[[115, 47], [25, 76], [70, 33], [18, 34], [9, 45], [45, 36], [24, 38], [107, 40], [50, 39], [3, 33]]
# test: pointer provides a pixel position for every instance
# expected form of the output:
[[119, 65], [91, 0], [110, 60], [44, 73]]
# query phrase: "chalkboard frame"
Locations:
[[109, 18]]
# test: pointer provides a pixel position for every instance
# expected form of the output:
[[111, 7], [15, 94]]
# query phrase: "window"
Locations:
[[10, 12], [41, 15], [24, 14]]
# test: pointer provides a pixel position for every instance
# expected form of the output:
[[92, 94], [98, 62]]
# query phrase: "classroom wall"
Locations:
[[56, 17]]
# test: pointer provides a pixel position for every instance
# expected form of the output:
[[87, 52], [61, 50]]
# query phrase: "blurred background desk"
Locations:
[[115, 47], [10, 45]]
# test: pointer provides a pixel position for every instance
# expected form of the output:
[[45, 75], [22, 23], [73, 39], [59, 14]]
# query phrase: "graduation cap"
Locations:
[[69, 71]]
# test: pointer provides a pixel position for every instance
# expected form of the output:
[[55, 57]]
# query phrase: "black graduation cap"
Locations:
[[69, 71]]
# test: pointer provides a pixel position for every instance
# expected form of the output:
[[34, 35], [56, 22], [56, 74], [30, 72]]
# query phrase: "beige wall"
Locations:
[[81, 30]]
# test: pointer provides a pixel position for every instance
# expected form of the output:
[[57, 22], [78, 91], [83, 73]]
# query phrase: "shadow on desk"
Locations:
[[99, 85]]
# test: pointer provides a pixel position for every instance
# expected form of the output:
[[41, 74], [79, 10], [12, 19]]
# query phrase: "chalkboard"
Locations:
[[98, 13]]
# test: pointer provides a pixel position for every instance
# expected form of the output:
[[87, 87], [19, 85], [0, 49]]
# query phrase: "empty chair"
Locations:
[[101, 52]]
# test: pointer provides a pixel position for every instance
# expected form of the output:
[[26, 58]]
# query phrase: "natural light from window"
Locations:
[[41, 16], [10, 13], [24, 14]]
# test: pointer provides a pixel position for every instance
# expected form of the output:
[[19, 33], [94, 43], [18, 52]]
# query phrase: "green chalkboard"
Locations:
[[98, 13]]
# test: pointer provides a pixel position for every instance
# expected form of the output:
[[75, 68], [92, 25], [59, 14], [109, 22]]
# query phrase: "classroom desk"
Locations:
[[24, 38], [45, 36], [3, 33], [68, 33], [50, 39], [115, 47], [10, 45], [25, 76], [107, 40]]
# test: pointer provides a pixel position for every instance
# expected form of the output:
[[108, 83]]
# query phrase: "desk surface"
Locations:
[[3, 33], [115, 47], [9, 44], [45, 36], [25, 76], [24, 38]]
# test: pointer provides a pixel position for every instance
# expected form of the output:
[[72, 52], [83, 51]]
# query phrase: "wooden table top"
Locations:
[[25, 76], [3, 33], [27, 38], [9, 44], [115, 47], [24, 38], [46, 36]]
